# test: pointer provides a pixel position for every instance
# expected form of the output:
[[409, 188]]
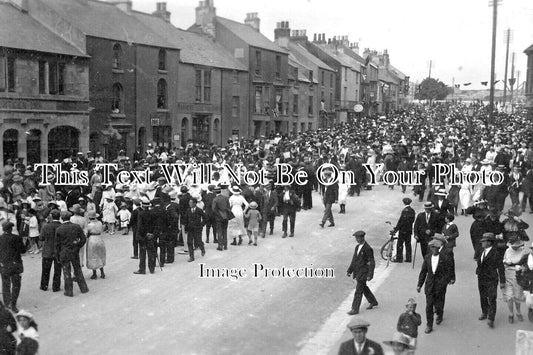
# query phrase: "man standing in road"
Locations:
[[362, 269], [436, 274], [329, 197], [221, 210], [426, 224], [489, 270], [359, 345], [404, 227], [69, 240], [11, 248], [146, 238], [48, 235]]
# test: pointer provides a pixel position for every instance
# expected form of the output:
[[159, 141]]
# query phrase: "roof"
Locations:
[[304, 56], [529, 49], [340, 57], [301, 75], [195, 48], [396, 72], [19, 30], [249, 35], [105, 20]]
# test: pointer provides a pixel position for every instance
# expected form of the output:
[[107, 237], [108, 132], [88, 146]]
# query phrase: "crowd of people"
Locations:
[[66, 222]]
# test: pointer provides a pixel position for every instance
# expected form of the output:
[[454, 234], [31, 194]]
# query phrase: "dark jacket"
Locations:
[[491, 269], [269, 203], [362, 265], [406, 220], [11, 247], [438, 281], [221, 207], [421, 225], [451, 233], [48, 236], [208, 203], [370, 348], [194, 221], [69, 239], [144, 224], [331, 193]]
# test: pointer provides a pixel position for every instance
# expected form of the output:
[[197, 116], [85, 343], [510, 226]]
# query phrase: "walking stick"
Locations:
[[414, 255]]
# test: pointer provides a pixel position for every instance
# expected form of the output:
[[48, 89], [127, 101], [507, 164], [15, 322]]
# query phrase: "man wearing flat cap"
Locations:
[[359, 345], [436, 274], [489, 270], [426, 225], [362, 269], [404, 227]]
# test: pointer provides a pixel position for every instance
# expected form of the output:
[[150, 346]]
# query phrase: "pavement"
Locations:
[[175, 311]]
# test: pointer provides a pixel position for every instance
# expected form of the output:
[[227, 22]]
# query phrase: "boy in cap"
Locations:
[[254, 219], [362, 269], [409, 322], [359, 344], [435, 274]]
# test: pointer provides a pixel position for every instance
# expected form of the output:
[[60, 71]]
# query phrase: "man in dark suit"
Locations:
[[426, 224], [359, 345], [489, 270], [442, 206], [404, 227], [268, 210], [183, 203], [330, 196], [221, 209], [134, 227], [48, 235], [194, 224], [69, 240], [436, 274], [160, 225], [145, 236], [289, 204], [172, 211], [208, 198], [362, 269], [11, 248]]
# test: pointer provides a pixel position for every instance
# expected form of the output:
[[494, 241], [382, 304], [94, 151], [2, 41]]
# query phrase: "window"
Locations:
[[295, 104], [331, 80], [7, 74], [295, 73], [42, 77], [310, 108], [258, 99], [56, 78], [322, 81], [10, 144], [207, 85], [161, 136], [345, 94], [258, 62], [356, 95], [161, 94], [311, 76], [331, 101], [117, 54], [235, 77], [310, 126], [345, 73], [266, 98], [279, 101], [278, 67], [117, 101], [162, 59], [198, 86], [235, 106]]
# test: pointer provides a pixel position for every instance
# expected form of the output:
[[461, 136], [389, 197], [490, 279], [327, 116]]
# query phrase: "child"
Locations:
[[409, 321], [254, 218], [27, 326], [124, 216], [33, 231], [109, 212]]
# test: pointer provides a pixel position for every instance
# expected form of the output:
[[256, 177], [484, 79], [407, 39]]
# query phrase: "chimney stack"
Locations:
[[162, 11], [282, 34], [205, 17], [252, 20]]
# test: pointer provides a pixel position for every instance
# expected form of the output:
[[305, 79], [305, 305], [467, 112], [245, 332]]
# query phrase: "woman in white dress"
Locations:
[[236, 225], [96, 251]]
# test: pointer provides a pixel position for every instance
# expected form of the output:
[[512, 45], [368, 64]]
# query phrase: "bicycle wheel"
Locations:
[[386, 250]]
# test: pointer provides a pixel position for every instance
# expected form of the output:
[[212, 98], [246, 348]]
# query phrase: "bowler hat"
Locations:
[[357, 323]]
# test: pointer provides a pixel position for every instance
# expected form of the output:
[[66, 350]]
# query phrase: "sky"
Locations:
[[455, 35]]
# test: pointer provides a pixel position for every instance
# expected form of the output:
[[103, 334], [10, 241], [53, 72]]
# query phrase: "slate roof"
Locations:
[[195, 48], [302, 76], [529, 49], [249, 35], [303, 55], [105, 20], [340, 57], [18, 30]]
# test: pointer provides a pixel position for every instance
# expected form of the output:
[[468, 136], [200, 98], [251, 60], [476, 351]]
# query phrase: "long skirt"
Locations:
[[236, 225], [96, 252]]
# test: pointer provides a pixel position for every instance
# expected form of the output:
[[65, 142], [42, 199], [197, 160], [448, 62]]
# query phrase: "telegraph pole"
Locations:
[[507, 40], [494, 4], [430, 63], [512, 81]]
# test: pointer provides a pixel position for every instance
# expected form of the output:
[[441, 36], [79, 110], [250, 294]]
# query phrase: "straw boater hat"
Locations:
[[236, 190], [253, 204], [488, 237], [399, 338], [441, 192], [26, 314]]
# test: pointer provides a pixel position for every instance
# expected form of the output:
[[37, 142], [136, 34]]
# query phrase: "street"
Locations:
[[176, 312]]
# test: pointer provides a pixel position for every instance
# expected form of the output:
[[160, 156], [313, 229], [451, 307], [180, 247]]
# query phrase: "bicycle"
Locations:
[[387, 249]]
